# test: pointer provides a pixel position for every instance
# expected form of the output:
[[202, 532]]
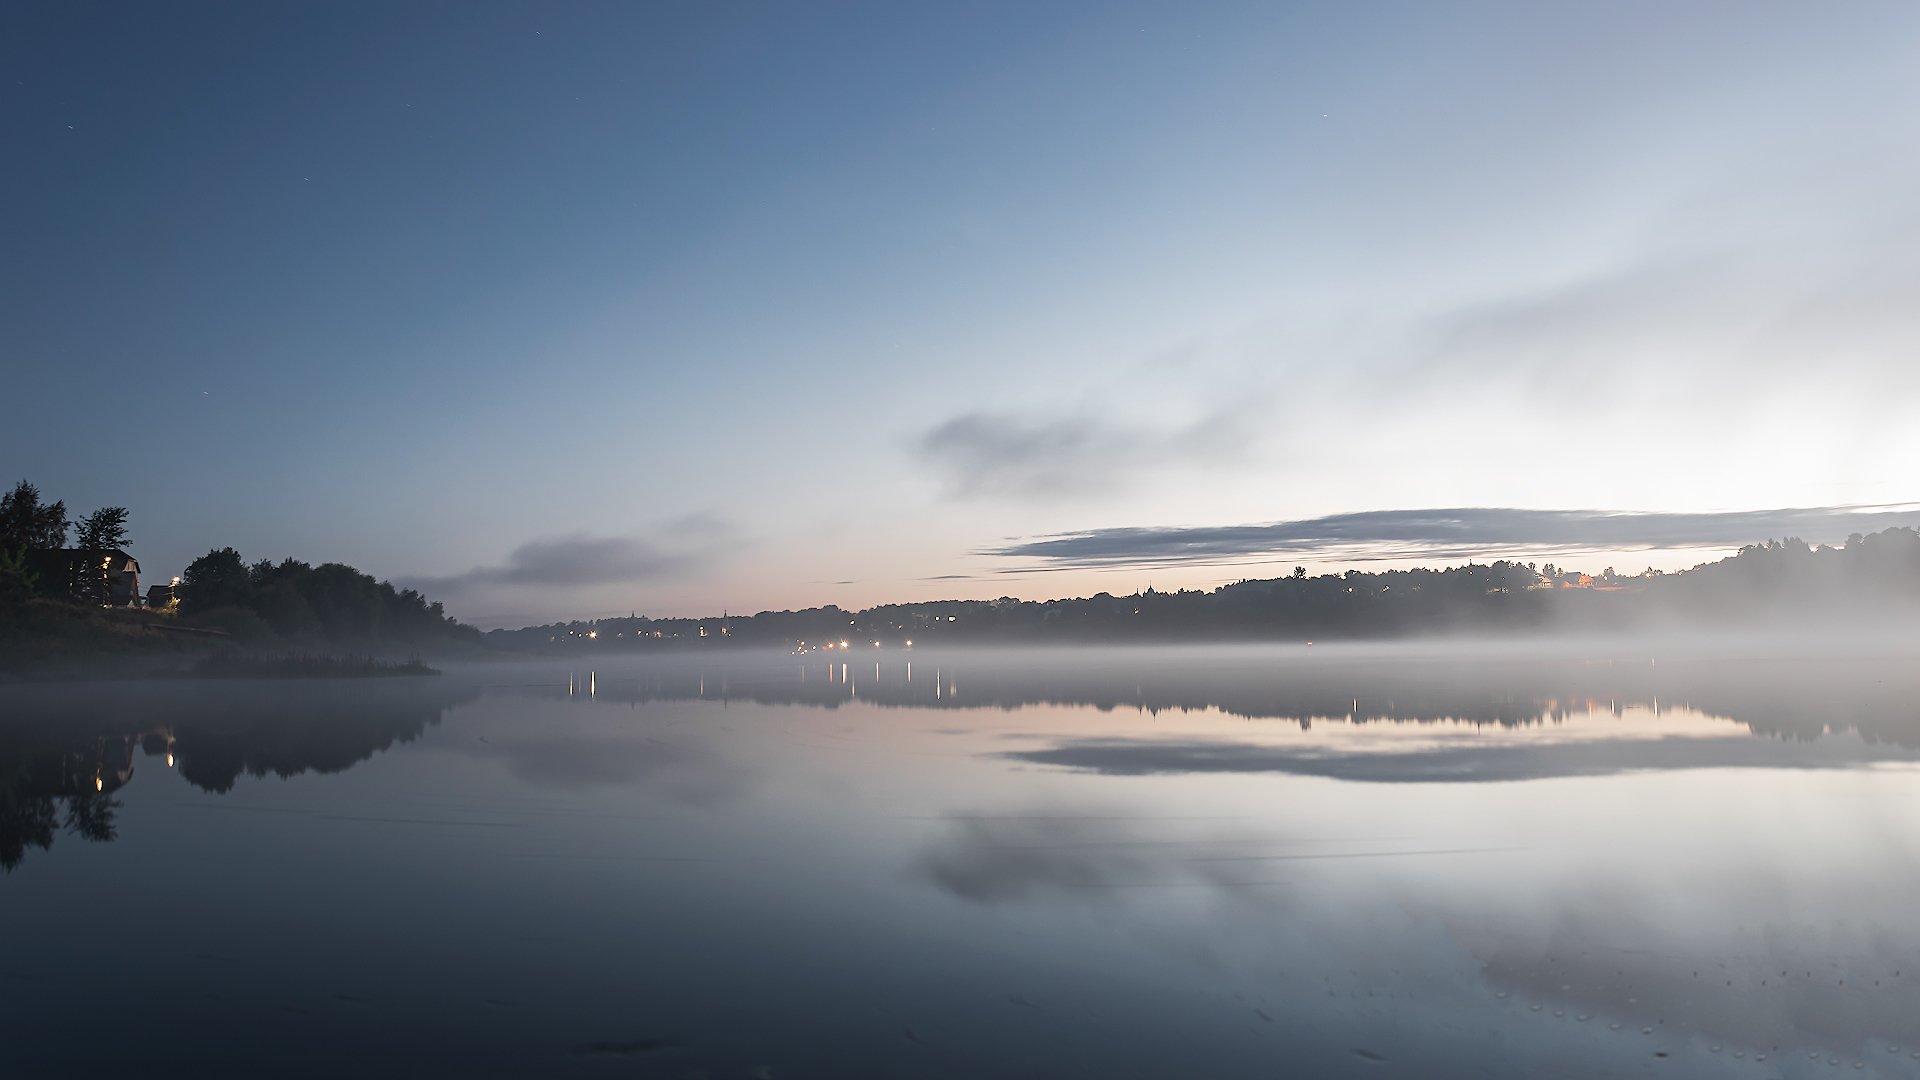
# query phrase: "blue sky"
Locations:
[[579, 309]]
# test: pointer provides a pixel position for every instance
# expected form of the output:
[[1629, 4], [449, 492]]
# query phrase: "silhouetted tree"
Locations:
[[26, 821], [91, 815], [26, 525], [103, 530], [215, 580]]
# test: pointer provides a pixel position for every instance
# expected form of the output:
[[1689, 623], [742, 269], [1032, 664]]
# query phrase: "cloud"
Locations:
[[1093, 858], [1452, 533], [1006, 455], [989, 860], [689, 774], [568, 562], [1481, 764]]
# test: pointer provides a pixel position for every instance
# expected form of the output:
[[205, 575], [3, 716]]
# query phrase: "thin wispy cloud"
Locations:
[[1450, 534], [1683, 320], [570, 562], [1008, 455]]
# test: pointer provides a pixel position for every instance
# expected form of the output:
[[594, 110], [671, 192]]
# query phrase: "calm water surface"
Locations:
[[1157, 863]]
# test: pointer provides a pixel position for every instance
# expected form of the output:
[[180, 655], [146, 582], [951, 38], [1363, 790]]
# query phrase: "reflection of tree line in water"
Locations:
[[1796, 700], [63, 753]]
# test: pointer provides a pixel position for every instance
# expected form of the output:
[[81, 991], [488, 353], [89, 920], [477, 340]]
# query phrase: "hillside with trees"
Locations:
[[293, 603], [1788, 582], [57, 602]]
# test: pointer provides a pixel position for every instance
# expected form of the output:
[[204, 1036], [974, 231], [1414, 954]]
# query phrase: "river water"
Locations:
[[1222, 862]]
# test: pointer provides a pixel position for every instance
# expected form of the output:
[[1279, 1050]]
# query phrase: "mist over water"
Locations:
[[960, 540], [1230, 861]]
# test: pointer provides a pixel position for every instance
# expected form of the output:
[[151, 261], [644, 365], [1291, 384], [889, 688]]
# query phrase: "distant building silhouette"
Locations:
[[76, 574]]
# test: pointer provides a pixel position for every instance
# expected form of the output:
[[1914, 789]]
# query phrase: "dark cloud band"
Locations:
[[1452, 533]]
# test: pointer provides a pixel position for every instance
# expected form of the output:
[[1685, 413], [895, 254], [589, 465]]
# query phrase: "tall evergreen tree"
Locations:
[[103, 530], [25, 525]]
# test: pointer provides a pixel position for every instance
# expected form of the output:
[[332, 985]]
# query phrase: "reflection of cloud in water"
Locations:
[[989, 860], [687, 771], [998, 859], [1746, 971], [1457, 763], [1847, 989]]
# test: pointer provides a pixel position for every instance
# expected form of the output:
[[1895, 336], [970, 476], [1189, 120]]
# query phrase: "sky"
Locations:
[[570, 310]]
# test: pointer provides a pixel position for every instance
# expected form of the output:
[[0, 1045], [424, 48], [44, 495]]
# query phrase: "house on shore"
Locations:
[[77, 574]]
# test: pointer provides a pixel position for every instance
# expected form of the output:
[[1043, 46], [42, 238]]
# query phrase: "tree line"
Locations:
[[294, 602], [263, 604], [1869, 577]]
